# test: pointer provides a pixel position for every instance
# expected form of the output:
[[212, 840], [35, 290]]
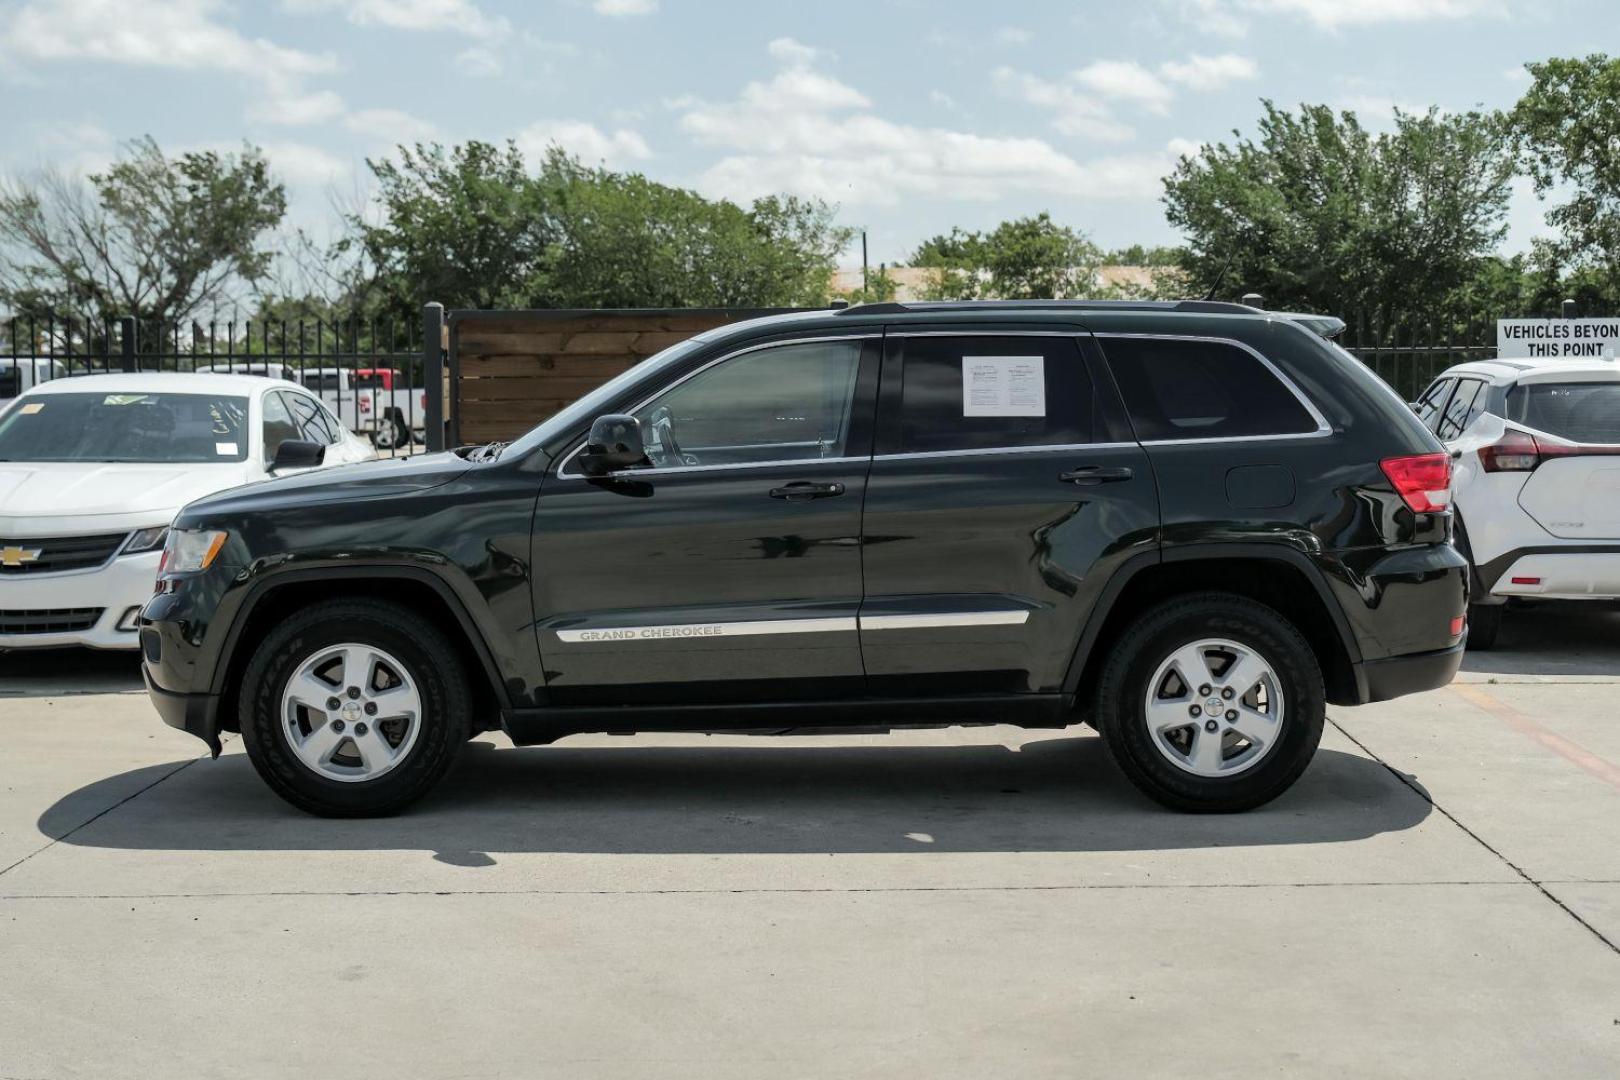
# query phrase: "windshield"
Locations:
[[588, 408], [189, 428], [1586, 412]]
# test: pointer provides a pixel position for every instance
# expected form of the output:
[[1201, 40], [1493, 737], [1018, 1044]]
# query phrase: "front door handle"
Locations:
[[804, 491], [1090, 475]]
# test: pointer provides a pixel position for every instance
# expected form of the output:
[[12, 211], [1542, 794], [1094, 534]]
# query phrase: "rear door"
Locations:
[[1574, 491], [1004, 491]]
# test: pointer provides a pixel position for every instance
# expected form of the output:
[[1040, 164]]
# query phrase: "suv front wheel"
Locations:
[[1211, 703], [354, 708]]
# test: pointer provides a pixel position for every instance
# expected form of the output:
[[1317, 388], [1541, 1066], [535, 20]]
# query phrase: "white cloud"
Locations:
[[1125, 80], [1014, 35], [1333, 14], [454, 16], [793, 53], [181, 34], [303, 165], [391, 126], [620, 9], [585, 141], [1074, 113], [1210, 72], [942, 99], [296, 110], [806, 133], [1211, 17], [478, 61], [1516, 73]]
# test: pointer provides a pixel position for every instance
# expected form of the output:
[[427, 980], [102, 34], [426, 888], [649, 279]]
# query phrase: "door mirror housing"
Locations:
[[614, 443], [297, 454]]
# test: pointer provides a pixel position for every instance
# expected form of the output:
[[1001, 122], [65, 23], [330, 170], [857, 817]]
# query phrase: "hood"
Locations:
[[366, 480], [108, 490]]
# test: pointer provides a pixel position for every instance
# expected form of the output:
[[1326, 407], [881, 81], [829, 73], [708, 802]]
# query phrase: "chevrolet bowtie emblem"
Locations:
[[17, 556]]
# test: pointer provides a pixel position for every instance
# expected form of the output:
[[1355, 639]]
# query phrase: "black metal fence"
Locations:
[[372, 373]]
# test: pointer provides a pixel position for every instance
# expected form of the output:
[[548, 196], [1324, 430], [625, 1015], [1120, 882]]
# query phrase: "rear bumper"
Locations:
[[1397, 676], [197, 714], [1584, 573]]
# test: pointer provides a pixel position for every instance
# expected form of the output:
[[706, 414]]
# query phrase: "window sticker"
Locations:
[[33, 407], [123, 399], [1003, 386], [225, 449]]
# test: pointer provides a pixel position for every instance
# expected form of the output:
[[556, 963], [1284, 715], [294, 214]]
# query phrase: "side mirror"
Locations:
[[297, 454], [614, 443]]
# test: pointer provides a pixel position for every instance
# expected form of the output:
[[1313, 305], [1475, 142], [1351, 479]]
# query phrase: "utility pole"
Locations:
[[864, 284]]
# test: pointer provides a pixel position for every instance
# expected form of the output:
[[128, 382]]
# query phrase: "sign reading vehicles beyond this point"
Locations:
[[1571, 339]]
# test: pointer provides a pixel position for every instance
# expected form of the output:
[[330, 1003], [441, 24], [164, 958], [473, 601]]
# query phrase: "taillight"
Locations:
[[1423, 481], [1515, 451]]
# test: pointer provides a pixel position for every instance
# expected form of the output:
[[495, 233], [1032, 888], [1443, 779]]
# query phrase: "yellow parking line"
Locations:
[[1601, 768]]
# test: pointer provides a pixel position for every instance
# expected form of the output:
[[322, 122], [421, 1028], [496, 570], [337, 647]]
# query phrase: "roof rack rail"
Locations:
[[1208, 307]]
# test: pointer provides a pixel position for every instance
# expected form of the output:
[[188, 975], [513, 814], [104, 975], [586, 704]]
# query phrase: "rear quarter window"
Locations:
[[1185, 388], [1579, 412]]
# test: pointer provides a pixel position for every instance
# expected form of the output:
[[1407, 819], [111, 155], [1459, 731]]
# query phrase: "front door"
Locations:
[[729, 567], [1005, 490]]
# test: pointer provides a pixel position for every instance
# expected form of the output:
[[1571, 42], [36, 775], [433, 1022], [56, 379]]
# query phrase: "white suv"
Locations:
[[1536, 480]]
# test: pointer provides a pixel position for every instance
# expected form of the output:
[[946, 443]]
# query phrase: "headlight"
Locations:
[[190, 550], [146, 540]]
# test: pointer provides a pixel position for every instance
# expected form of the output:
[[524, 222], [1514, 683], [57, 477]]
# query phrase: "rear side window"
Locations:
[[1433, 400], [1579, 412], [1191, 389], [1457, 412], [984, 393]]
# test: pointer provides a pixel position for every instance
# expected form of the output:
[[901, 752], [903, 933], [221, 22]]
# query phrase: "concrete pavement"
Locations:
[[1439, 896]]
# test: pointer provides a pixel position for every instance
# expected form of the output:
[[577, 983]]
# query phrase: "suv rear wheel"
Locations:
[[1211, 703], [354, 708]]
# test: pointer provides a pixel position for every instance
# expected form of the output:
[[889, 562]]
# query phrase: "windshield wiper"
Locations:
[[487, 452]]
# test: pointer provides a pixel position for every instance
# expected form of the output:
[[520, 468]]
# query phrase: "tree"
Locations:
[[625, 241], [466, 226], [880, 286], [1566, 129], [1321, 215], [153, 237], [1030, 258], [475, 227]]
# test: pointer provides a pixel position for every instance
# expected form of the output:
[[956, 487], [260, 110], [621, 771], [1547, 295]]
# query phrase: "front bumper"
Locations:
[[117, 589], [197, 714]]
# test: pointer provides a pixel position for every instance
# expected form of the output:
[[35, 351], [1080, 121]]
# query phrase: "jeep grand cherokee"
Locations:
[[1191, 525]]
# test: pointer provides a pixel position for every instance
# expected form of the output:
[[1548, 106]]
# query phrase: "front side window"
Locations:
[[984, 393], [784, 403], [1428, 406], [1183, 388], [307, 415], [125, 427], [1580, 412], [278, 425]]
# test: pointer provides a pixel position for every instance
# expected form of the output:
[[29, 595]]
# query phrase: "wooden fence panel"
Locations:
[[513, 369]]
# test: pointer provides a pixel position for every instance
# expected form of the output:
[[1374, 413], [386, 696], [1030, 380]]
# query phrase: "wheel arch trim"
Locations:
[[1146, 560], [260, 590]]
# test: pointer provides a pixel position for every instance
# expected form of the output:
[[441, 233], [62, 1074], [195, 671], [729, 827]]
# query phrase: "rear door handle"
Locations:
[[804, 491], [1089, 475]]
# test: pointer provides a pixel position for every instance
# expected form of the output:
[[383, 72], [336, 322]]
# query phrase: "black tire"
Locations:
[[1121, 692], [398, 434], [433, 664], [1484, 623]]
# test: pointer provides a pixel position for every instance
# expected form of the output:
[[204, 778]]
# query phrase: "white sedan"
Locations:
[[93, 469]]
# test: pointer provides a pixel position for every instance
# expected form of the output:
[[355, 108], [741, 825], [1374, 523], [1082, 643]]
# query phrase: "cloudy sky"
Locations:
[[911, 115]]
